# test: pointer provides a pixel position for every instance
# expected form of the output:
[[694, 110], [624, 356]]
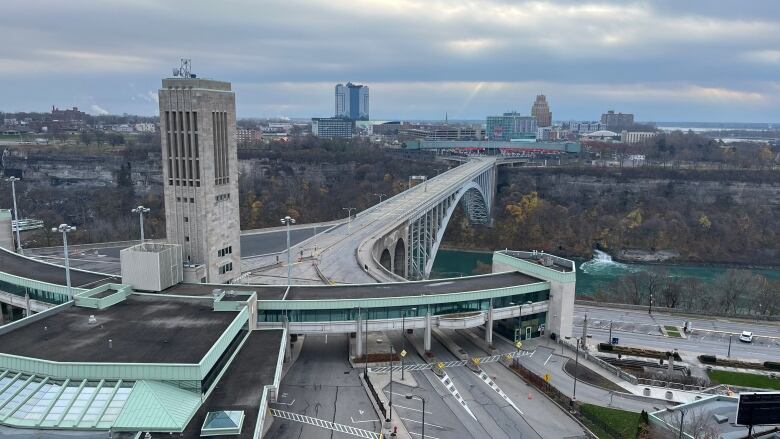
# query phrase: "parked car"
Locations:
[[746, 336]]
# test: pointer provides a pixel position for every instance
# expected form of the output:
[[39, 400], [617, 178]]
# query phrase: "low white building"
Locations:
[[636, 136], [145, 127]]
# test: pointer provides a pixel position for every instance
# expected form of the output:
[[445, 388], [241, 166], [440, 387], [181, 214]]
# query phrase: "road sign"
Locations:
[[440, 365], [547, 377], [518, 344], [476, 360], [402, 353]]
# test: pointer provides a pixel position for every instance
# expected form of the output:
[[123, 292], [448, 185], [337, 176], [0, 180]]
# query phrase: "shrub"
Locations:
[[708, 359], [772, 365]]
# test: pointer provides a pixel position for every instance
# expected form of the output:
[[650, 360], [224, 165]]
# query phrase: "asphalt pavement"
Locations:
[[322, 384], [709, 336]]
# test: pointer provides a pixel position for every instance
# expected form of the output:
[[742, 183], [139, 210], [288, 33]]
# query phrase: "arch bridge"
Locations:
[[405, 246]]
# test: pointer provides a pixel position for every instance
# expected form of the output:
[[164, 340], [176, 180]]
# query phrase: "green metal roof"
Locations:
[[155, 406]]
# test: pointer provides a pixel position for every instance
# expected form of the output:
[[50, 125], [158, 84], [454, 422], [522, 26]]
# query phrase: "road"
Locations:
[[322, 384], [548, 360], [495, 417], [637, 328], [538, 409]]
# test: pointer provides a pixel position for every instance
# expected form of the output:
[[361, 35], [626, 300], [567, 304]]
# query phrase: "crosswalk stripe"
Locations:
[[325, 424]]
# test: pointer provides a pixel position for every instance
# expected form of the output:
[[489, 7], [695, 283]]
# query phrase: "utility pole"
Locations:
[[610, 332]]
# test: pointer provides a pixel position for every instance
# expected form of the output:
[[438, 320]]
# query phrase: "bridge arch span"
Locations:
[[427, 230]]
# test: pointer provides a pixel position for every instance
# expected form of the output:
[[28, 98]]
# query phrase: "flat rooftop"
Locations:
[[16, 265], [241, 387], [143, 329], [403, 289]]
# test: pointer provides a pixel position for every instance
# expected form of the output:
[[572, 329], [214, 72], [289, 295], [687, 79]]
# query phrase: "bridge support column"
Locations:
[[427, 338], [288, 346], [489, 327], [27, 310], [358, 337]]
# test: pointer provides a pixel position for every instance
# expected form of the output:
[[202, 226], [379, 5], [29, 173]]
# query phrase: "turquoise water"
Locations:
[[591, 274]]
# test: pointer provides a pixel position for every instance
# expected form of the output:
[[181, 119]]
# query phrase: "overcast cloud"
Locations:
[[665, 60]]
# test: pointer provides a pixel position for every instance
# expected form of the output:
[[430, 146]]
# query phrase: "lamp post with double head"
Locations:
[[141, 210], [13, 181], [287, 221], [349, 217], [380, 197], [65, 229]]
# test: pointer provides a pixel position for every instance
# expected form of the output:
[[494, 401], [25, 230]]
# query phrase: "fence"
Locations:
[[376, 396], [608, 367]]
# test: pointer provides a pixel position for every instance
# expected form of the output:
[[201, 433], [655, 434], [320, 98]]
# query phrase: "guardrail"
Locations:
[[608, 367]]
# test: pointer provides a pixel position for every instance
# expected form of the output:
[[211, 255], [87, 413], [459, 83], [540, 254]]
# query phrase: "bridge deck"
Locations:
[[14, 264], [403, 289]]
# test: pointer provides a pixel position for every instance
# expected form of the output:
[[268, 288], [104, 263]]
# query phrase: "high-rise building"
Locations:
[[541, 111], [352, 101], [615, 121], [200, 174], [511, 127]]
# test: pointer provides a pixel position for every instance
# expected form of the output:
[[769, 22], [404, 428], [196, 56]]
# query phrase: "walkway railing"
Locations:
[[608, 367]]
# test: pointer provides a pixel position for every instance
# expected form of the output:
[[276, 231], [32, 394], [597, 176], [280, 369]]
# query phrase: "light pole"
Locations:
[[392, 353], [729, 354], [403, 338], [349, 217], [65, 229], [287, 221], [650, 309], [13, 181], [380, 197], [141, 210], [576, 369], [410, 396], [682, 419]]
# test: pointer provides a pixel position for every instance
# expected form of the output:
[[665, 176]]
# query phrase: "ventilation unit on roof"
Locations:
[[92, 320]]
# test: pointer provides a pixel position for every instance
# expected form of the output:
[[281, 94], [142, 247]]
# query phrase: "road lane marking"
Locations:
[[427, 423], [410, 408], [358, 422]]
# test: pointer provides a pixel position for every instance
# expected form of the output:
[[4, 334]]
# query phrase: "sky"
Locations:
[[665, 60]]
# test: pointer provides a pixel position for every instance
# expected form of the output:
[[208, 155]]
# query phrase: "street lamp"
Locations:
[[349, 217], [13, 181], [141, 210], [65, 229], [410, 396], [403, 337], [380, 197], [287, 221], [682, 419], [650, 309], [576, 369]]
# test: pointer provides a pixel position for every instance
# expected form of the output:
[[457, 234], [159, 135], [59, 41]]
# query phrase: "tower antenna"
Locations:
[[184, 70]]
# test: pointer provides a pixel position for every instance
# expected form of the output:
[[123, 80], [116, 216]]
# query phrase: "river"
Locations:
[[591, 274]]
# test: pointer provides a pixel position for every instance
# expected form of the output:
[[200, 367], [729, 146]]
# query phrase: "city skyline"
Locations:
[[661, 61]]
